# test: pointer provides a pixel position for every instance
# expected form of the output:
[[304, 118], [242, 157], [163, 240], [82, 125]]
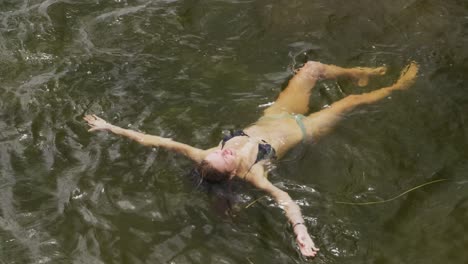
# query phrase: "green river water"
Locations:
[[189, 69]]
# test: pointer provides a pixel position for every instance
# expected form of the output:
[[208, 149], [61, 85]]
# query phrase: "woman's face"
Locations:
[[223, 160]]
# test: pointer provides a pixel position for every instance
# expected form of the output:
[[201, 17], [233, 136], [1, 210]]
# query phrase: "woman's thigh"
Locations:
[[321, 123]]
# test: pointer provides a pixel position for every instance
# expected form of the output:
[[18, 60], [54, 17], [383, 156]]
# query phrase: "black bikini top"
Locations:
[[265, 150]]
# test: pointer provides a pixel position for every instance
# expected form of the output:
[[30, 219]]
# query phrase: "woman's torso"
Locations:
[[281, 133]]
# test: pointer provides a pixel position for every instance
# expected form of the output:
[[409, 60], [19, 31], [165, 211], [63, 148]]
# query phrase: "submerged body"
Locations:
[[282, 127]]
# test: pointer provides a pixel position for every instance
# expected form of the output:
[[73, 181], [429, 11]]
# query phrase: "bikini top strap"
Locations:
[[232, 133]]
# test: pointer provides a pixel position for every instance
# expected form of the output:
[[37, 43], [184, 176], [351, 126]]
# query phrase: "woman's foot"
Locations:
[[407, 76], [361, 74]]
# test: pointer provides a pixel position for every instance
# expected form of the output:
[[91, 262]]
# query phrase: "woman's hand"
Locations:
[[305, 243], [96, 123], [293, 212]]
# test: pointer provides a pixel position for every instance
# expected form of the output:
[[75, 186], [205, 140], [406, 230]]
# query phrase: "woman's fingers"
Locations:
[[96, 123], [308, 252], [89, 118], [306, 245], [92, 121]]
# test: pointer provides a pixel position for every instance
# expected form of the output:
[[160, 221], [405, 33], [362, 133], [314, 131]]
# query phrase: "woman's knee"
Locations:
[[312, 69]]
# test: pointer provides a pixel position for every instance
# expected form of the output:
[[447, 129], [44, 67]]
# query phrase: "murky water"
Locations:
[[188, 70]]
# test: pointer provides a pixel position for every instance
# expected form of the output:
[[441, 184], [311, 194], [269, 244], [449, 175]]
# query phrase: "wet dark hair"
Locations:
[[206, 172], [223, 193]]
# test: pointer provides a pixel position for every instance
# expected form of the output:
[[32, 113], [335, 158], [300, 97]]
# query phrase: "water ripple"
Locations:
[[165, 67]]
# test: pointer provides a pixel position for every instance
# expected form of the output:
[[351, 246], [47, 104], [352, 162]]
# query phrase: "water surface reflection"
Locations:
[[165, 67]]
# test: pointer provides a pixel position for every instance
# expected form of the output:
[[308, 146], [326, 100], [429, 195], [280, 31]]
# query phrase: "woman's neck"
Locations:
[[246, 149]]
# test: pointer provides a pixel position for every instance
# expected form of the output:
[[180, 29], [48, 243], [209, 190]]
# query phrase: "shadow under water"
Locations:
[[189, 69]]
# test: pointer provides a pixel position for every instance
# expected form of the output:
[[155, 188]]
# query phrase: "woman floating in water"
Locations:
[[245, 153]]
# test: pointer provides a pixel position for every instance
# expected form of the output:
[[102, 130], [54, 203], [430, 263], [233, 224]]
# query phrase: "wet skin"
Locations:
[[224, 160], [238, 155]]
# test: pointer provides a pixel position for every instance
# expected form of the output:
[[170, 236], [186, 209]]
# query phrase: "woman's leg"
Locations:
[[295, 98], [320, 123]]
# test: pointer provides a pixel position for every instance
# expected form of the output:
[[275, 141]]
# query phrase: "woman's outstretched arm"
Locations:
[[96, 123], [292, 210]]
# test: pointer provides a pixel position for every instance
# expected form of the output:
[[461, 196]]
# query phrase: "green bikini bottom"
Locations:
[[297, 117]]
